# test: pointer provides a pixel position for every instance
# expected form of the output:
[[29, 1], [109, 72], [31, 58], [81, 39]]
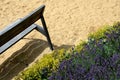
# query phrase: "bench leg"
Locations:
[[46, 31]]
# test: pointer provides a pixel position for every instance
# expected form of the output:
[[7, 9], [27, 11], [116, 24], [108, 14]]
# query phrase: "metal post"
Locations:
[[46, 31]]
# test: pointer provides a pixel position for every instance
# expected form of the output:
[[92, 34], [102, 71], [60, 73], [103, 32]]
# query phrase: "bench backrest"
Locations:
[[12, 31], [22, 25]]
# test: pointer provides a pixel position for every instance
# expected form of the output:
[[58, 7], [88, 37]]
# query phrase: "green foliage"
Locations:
[[101, 32], [80, 46], [43, 68]]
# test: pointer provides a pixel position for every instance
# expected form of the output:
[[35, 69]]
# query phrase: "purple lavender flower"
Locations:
[[99, 60]]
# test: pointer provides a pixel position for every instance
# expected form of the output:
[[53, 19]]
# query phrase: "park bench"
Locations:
[[20, 28]]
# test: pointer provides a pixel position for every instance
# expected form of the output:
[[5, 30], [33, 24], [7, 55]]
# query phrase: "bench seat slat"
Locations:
[[17, 38]]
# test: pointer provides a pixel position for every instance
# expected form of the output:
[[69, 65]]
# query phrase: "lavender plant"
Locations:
[[98, 60]]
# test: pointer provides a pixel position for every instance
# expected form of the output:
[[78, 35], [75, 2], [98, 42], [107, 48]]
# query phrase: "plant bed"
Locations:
[[98, 58]]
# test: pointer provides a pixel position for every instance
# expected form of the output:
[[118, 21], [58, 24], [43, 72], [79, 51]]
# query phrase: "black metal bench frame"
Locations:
[[20, 28]]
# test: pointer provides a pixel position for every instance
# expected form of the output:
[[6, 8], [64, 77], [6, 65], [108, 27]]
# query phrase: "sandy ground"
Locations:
[[68, 21]]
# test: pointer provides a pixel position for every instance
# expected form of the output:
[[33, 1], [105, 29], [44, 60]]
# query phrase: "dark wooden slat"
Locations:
[[17, 38], [21, 26]]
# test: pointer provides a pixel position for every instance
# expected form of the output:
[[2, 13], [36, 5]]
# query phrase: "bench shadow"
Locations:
[[23, 57]]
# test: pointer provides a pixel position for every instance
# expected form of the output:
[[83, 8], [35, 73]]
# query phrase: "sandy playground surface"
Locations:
[[68, 21]]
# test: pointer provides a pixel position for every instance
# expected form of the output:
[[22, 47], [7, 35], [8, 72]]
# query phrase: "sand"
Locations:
[[68, 21]]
